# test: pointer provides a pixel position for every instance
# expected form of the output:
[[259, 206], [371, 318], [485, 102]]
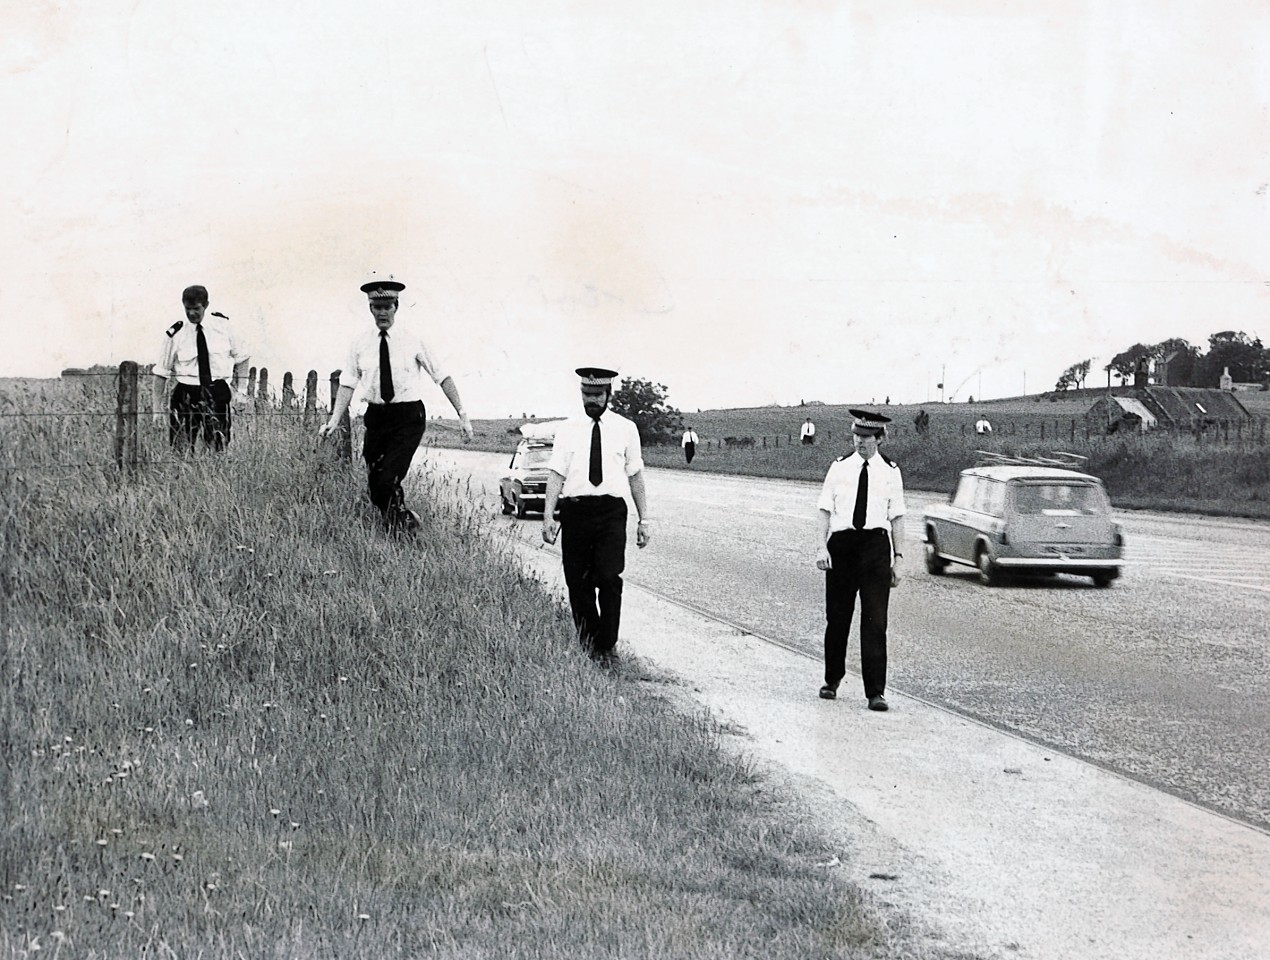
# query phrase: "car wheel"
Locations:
[[1103, 579], [507, 507], [989, 574], [934, 563], [521, 509]]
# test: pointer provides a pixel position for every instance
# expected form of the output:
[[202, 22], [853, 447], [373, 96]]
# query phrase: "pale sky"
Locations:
[[750, 202]]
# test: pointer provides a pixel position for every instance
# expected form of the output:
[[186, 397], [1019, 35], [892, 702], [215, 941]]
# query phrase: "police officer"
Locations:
[[202, 353], [860, 507], [595, 462], [385, 366]]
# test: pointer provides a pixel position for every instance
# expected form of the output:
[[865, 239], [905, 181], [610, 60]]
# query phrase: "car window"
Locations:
[[965, 495], [538, 457], [1060, 499], [990, 498]]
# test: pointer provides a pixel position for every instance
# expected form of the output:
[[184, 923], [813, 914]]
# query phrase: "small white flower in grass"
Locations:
[[89, 898], [330, 573], [197, 800], [67, 739], [275, 811], [116, 831], [177, 858], [343, 679], [294, 825], [102, 842], [60, 907], [114, 906], [189, 722], [363, 916], [19, 887], [129, 914], [147, 856], [103, 893]]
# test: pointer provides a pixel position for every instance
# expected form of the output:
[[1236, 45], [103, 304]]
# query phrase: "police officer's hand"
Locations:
[[550, 530], [895, 572], [824, 561], [642, 534]]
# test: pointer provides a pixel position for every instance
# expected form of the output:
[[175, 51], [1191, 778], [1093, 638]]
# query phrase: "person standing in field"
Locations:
[[386, 367], [808, 432], [596, 462], [983, 425], [203, 356], [858, 548], [689, 443]]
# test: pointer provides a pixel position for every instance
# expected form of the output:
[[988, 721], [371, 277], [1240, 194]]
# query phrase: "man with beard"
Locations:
[[596, 462]]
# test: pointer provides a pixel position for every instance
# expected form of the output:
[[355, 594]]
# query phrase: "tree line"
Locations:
[[1175, 362], [1178, 363]]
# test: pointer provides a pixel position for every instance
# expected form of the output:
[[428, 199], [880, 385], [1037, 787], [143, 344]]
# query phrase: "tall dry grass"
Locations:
[[238, 721]]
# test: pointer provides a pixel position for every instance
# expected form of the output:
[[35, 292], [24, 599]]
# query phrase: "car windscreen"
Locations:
[[538, 457], [1060, 499]]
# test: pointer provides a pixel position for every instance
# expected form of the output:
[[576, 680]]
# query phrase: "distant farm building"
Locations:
[[1184, 408]]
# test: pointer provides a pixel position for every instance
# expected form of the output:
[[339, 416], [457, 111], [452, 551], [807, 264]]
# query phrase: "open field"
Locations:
[[238, 721]]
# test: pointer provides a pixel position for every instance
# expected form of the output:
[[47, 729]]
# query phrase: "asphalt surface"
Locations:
[[1067, 769]]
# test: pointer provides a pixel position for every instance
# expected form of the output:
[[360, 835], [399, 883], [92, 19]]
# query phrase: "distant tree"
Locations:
[[1074, 376], [645, 402], [1125, 364], [1244, 356]]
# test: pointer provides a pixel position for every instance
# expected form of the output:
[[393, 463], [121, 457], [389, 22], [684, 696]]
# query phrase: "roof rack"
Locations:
[[1061, 459]]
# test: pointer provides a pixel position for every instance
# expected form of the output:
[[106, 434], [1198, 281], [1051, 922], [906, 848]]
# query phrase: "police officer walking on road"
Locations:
[[203, 355], [595, 462], [385, 366], [858, 547]]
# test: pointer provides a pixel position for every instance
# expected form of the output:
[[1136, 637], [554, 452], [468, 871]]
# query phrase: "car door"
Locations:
[[962, 522]]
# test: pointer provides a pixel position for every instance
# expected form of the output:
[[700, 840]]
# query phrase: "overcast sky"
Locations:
[[750, 202]]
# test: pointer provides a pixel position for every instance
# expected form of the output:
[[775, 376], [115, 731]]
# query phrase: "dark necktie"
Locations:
[[386, 391], [596, 474], [204, 359], [861, 498]]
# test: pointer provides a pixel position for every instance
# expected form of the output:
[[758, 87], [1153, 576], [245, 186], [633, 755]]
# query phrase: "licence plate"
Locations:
[[1063, 550]]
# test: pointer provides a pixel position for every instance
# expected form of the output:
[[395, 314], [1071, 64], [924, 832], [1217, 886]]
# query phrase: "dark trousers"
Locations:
[[690, 451], [195, 411], [593, 550], [807, 441], [393, 434], [861, 564]]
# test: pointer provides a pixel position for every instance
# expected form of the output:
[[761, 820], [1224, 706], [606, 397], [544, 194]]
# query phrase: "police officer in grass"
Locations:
[[201, 353], [858, 547], [386, 367], [595, 462]]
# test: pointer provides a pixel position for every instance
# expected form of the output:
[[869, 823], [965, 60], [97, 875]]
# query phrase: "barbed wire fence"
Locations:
[[134, 432]]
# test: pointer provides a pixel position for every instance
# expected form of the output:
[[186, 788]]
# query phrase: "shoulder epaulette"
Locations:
[[217, 313], [841, 458], [888, 460], [172, 330]]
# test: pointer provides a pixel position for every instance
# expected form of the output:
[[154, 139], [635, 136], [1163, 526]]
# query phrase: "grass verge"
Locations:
[[239, 721]]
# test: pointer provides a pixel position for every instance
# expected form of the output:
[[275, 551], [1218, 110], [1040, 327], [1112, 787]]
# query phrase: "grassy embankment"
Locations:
[[1149, 472], [240, 722]]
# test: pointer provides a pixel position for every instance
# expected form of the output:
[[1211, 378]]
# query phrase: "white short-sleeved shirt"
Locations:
[[886, 492], [690, 436], [179, 356], [409, 358], [808, 430], [619, 447]]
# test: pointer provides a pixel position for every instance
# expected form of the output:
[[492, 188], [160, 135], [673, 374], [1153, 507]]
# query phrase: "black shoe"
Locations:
[[606, 658], [828, 693], [878, 703]]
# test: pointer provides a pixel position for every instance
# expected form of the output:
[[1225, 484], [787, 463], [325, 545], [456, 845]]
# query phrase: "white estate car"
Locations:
[[1026, 517]]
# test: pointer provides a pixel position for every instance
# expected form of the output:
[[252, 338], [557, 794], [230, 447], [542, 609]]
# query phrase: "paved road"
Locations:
[[1165, 677]]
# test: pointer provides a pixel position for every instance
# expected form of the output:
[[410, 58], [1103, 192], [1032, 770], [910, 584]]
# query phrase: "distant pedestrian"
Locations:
[[204, 357], [808, 432], [921, 422], [858, 548], [983, 425], [689, 443], [596, 463], [386, 367]]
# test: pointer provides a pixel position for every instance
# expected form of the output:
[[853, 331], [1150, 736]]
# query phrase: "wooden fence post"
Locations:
[[262, 389], [310, 396], [344, 442], [126, 418], [288, 391], [251, 383]]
